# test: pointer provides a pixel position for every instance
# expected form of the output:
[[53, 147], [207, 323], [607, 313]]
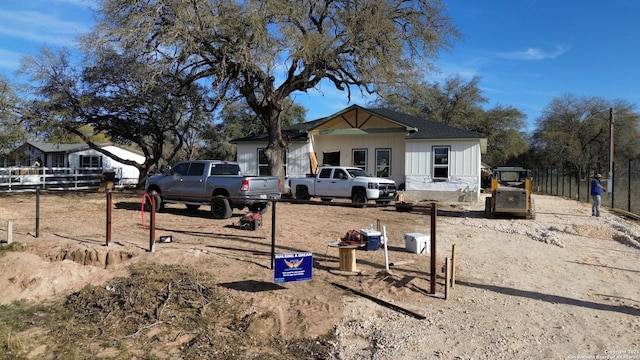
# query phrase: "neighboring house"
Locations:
[[58, 157], [429, 160]]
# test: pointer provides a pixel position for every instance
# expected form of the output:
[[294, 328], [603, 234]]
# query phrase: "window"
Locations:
[[225, 169], [196, 169], [340, 174], [325, 173], [383, 162], [90, 162], [180, 169], [263, 164], [360, 159], [441, 163], [57, 160]]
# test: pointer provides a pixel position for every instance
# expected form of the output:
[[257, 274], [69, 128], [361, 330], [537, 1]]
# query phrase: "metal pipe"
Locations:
[[109, 207], [273, 232], [37, 211], [434, 214], [152, 226]]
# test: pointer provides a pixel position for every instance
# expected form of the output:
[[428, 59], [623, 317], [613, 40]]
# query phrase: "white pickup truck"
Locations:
[[344, 182]]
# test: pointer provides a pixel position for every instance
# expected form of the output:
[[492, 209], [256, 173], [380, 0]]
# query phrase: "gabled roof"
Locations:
[[426, 129], [392, 119], [417, 127]]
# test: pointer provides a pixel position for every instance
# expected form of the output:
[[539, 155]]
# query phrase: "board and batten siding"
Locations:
[[297, 158], [248, 157], [347, 143], [464, 166]]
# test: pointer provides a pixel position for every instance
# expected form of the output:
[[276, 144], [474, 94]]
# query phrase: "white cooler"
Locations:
[[417, 243]]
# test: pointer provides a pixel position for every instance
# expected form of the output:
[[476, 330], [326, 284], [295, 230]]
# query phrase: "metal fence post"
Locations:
[[37, 211]]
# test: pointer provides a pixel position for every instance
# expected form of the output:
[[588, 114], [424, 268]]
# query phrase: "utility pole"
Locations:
[[610, 182]]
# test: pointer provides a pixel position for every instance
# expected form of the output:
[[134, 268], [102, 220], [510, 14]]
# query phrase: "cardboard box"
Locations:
[[417, 243]]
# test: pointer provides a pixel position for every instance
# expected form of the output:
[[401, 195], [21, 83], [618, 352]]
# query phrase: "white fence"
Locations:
[[57, 178]]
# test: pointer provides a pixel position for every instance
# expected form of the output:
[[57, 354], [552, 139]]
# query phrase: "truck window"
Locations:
[[325, 173], [180, 169], [357, 173], [225, 169], [196, 169], [339, 174]]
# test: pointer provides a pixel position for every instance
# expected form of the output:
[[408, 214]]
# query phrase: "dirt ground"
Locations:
[[563, 286]]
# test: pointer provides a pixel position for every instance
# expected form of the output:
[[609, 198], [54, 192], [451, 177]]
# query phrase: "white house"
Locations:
[[75, 156], [429, 160]]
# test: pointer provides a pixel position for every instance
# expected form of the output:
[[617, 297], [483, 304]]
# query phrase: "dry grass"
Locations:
[[157, 312]]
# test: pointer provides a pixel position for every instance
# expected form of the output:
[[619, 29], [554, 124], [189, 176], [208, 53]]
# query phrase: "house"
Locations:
[[66, 157], [429, 160]]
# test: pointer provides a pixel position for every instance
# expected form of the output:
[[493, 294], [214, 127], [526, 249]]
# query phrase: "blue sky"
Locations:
[[527, 52]]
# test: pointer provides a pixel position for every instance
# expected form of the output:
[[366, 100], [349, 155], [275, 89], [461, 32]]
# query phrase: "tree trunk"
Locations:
[[276, 149]]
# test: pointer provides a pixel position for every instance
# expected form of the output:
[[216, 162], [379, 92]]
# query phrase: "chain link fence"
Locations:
[[574, 183]]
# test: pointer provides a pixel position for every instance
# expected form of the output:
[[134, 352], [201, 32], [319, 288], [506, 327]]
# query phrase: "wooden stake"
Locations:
[[447, 277], [9, 232]]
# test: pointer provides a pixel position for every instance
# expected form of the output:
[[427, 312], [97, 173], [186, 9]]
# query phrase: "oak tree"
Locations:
[[264, 51]]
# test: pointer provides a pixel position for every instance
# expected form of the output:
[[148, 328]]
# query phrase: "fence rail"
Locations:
[[57, 178], [575, 182]]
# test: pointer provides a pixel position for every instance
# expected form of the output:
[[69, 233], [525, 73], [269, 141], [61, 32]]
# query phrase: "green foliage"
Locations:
[[458, 103], [11, 130], [576, 131], [237, 120], [14, 246], [117, 96], [264, 51]]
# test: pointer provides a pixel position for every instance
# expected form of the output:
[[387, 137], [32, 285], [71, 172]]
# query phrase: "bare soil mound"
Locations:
[[564, 284]]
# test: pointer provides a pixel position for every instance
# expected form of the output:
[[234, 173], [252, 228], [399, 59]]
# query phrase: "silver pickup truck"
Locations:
[[212, 182]]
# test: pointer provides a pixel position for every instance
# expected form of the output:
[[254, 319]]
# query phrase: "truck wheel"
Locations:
[[487, 208], [193, 207], [359, 197], [302, 193], [156, 198], [220, 208]]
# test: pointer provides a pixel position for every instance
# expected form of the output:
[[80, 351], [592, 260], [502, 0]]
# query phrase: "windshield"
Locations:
[[357, 173]]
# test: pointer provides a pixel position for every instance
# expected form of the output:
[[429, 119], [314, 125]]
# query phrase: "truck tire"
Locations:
[[157, 199], [487, 208], [220, 208], [359, 197], [302, 193]]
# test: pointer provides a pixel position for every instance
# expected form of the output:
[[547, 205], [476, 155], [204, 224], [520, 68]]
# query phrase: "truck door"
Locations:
[[324, 183], [173, 184], [193, 182], [341, 185]]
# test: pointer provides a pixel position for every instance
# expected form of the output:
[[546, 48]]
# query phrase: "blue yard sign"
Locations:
[[293, 267]]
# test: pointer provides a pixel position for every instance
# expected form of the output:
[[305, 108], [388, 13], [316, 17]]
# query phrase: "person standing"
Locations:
[[596, 194]]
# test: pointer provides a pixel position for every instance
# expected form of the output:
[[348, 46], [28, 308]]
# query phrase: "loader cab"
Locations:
[[511, 176]]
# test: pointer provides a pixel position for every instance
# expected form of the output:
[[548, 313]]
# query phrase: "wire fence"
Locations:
[[574, 183]]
